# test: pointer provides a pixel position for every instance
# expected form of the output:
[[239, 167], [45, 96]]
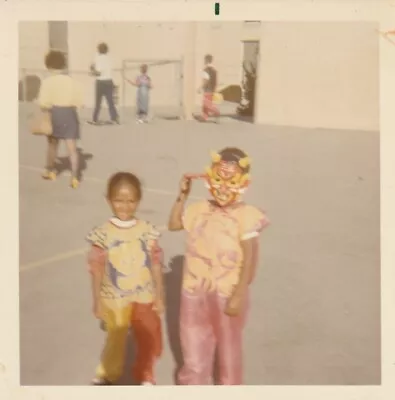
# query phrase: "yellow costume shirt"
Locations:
[[127, 275], [214, 254]]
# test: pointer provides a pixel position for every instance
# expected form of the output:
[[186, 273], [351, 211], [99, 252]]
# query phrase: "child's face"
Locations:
[[124, 202]]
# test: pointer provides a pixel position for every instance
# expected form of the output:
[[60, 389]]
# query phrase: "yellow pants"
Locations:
[[147, 334]]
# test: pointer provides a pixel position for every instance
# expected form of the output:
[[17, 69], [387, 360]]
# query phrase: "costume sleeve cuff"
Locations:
[[250, 235]]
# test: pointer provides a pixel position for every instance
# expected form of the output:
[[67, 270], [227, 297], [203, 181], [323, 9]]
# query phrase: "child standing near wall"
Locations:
[[127, 285], [209, 86], [144, 85]]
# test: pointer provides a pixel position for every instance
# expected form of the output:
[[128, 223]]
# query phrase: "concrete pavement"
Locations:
[[315, 316]]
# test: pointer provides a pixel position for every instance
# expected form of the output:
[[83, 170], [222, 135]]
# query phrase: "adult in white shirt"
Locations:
[[102, 69]]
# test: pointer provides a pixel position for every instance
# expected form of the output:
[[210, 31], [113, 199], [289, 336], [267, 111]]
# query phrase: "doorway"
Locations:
[[58, 37], [249, 74]]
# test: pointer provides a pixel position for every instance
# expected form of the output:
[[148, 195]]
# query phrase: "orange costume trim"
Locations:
[[118, 314]]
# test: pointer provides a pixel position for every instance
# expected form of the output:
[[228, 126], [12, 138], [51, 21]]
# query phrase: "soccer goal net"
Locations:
[[166, 94]]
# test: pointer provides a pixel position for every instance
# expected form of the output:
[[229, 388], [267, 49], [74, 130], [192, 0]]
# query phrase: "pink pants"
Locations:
[[208, 107], [204, 327]]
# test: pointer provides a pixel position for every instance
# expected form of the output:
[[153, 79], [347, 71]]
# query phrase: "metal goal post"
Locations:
[[166, 97]]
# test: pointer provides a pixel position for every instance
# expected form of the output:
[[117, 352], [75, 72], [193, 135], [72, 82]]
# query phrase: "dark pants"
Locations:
[[105, 89]]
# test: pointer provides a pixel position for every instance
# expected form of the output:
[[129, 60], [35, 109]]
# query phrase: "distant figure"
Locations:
[[144, 85], [102, 70], [209, 85], [61, 95]]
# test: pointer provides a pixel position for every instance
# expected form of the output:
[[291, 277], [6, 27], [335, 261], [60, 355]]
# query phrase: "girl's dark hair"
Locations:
[[55, 60], [233, 154], [144, 68], [102, 48], [127, 178], [208, 58]]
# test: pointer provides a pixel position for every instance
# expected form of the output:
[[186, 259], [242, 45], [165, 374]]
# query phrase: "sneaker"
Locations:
[[93, 123], [200, 118], [100, 382], [74, 183], [49, 175]]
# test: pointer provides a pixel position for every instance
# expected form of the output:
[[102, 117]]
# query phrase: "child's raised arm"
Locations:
[[175, 219], [134, 83]]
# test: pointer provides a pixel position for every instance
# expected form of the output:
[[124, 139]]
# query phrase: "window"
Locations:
[[58, 36]]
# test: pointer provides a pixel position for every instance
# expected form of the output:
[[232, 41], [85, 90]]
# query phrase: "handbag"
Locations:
[[41, 123], [218, 98]]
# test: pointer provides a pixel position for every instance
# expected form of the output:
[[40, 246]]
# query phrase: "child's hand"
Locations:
[[234, 305], [185, 186], [159, 305], [97, 310]]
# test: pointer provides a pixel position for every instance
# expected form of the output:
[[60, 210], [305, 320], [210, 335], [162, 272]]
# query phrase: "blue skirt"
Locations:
[[65, 123]]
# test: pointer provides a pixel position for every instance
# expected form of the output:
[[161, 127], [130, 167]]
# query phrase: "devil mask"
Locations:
[[228, 176]]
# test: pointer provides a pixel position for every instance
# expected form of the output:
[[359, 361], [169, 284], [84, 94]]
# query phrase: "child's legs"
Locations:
[[142, 104], [205, 108], [109, 95], [197, 340], [147, 332], [211, 107], [112, 358], [208, 105], [228, 331], [52, 150], [73, 156], [99, 94]]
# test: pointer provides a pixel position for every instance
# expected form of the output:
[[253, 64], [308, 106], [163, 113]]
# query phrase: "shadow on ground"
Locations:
[[240, 118], [63, 163], [173, 281], [28, 88]]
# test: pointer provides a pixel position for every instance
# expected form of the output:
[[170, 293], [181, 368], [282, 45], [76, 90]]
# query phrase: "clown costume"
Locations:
[[124, 254]]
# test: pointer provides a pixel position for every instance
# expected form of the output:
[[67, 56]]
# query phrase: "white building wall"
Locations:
[[33, 44], [311, 74], [319, 75], [153, 40]]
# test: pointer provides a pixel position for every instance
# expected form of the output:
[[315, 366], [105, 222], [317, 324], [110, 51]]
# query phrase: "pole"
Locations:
[[123, 90], [189, 70], [24, 85]]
